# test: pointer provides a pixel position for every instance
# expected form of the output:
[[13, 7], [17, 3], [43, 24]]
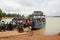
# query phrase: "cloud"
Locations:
[[26, 7], [49, 7], [25, 2], [9, 6]]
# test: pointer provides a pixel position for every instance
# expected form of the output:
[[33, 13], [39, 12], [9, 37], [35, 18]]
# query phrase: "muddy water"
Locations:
[[52, 25]]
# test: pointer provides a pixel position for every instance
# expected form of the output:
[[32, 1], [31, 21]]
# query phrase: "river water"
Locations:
[[52, 25]]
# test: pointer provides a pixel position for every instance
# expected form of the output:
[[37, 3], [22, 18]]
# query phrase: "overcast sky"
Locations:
[[26, 7]]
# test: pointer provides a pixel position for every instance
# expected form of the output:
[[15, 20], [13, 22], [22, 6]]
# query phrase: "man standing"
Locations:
[[30, 27], [3, 25], [0, 26], [20, 27]]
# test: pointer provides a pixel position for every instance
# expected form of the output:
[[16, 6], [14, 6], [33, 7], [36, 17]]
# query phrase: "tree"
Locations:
[[0, 14], [29, 16], [9, 15], [4, 14], [23, 16], [16, 15]]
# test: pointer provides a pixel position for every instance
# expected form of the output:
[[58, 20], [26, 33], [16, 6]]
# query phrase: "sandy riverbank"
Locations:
[[37, 35], [34, 37], [52, 28]]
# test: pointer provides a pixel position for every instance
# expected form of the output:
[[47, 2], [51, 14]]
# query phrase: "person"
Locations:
[[30, 23], [7, 26], [26, 23], [0, 26], [3, 25], [20, 27], [13, 25], [30, 27], [10, 26], [30, 31], [41, 23]]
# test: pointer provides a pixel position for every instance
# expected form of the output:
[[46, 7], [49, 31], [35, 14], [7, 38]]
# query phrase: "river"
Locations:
[[52, 25]]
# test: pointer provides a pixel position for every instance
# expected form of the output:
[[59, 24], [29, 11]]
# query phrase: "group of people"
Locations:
[[20, 25], [16, 25], [8, 26], [24, 24]]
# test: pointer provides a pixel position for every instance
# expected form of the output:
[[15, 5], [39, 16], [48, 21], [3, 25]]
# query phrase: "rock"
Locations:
[[59, 33]]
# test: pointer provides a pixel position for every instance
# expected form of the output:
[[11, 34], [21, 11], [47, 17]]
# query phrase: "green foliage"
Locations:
[[0, 14], [23, 16], [16, 15], [4, 14], [29, 16], [9, 15], [13, 15]]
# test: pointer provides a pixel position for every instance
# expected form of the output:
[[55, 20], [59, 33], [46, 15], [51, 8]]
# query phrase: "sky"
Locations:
[[26, 7]]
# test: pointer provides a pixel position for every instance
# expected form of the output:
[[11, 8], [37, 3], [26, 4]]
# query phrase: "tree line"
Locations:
[[3, 14]]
